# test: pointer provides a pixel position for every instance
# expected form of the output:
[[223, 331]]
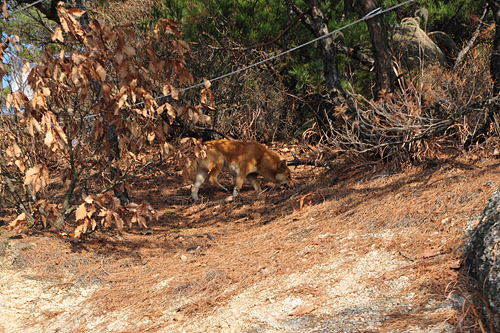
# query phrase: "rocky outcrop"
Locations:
[[446, 45], [413, 48], [482, 254]]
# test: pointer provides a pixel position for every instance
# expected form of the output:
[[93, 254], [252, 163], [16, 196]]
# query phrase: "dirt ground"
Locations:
[[357, 248]]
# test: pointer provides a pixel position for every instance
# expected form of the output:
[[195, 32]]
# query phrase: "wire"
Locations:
[[372, 14]]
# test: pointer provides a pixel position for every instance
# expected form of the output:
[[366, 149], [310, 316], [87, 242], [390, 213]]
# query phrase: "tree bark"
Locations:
[[324, 110], [326, 46], [385, 76], [114, 153], [495, 52], [49, 12]]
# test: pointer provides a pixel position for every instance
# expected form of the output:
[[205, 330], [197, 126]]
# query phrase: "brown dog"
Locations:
[[246, 159]]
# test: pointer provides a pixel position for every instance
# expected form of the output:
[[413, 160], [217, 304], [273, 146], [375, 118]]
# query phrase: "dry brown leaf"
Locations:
[[174, 92], [81, 229], [65, 175], [21, 218], [122, 101], [2, 70], [167, 148], [119, 57], [32, 174], [166, 89], [9, 151], [84, 92], [119, 222], [303, 310], [430, 254], [20, 165], [170, 112], [49, 138], [57, 35], [4, 9], [184, 44], [60, 132], [455, 264], [151, 137], [101, 72], [196, 117], [26, 67], [129, 33], [17, 150], [129, 50], [205, 119], [212, 98], [105, 90], [179, 316], [81, 212], [135, 128], [181, 110], [203, 97], [76, 11], [8, 101]]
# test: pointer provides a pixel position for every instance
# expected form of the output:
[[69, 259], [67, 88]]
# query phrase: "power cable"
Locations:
[[372, 14]]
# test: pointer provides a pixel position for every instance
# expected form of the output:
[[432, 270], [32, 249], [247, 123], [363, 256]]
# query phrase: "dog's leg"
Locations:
[[252, 178], [240, 179], [214, 173], [201, 175]]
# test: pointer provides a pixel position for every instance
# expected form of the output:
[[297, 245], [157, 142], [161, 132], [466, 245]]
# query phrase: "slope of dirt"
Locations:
[[353, 249]]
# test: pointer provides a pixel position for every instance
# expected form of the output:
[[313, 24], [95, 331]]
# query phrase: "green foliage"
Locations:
[[34, 34], [5, 92], [244, 21], [307, 76]]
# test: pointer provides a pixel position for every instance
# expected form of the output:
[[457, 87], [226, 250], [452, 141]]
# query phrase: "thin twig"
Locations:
[[466, 49], [406, 257]]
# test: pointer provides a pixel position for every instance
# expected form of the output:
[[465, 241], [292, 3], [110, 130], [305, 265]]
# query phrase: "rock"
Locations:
[[446, 45], [482, 256], [413, 48]]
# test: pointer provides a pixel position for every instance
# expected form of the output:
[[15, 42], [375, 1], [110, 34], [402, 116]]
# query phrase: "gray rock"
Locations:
[[446, 45], [413, 48], [482, 255]]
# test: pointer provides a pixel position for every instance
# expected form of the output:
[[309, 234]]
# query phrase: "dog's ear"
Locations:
[[283, 165]]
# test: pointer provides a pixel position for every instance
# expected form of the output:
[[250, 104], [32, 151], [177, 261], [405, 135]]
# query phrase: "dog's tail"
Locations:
[[189, 171]]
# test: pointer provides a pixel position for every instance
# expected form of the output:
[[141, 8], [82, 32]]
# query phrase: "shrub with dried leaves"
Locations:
[[90, 120]]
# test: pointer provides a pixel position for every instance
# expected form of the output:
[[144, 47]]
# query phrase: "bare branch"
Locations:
[[49, 12], [467, 47]]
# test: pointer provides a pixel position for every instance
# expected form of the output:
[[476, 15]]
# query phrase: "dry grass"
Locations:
[[199, 257]]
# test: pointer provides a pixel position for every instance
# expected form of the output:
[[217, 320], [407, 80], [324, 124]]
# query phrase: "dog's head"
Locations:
[[284, 175]]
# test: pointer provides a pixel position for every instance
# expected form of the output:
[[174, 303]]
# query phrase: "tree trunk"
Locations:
[[114, 153], [338, 97], [49, 12], [328, 53], [495, 52], [385, 76]]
